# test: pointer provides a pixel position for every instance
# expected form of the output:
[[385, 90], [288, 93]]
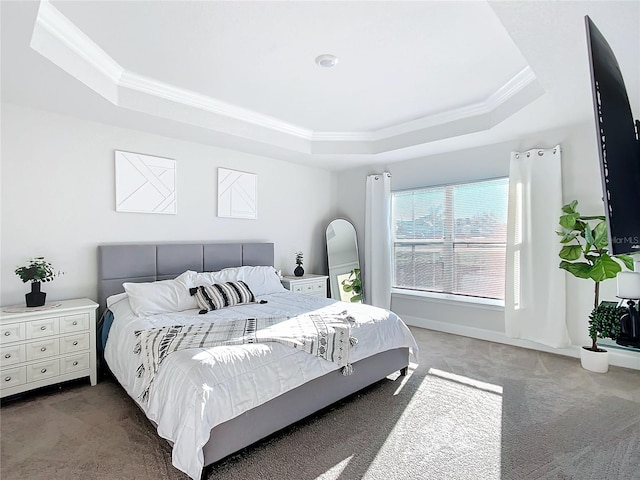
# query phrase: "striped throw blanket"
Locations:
[[325, 336]]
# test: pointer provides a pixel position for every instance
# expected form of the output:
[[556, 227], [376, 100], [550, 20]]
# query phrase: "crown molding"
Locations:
[[150, 86], [57, 25], [516, 84]]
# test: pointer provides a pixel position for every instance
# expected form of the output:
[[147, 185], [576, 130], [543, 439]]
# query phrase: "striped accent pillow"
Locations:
[[221, 295]]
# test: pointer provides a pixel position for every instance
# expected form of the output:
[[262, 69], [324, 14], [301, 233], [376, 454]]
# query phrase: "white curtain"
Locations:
[[535, 286], [377, 241]]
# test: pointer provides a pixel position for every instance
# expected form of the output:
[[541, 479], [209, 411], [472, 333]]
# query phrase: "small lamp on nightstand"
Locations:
[[629, 290]]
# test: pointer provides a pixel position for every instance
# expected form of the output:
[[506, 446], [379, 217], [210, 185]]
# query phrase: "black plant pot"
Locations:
[[299, 271], [35, 298]]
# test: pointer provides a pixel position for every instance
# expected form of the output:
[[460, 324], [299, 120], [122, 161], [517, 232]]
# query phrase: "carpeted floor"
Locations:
[[471, 409]]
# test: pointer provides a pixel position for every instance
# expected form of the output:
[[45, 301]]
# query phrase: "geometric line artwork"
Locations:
[[237, 194], [145, 184]]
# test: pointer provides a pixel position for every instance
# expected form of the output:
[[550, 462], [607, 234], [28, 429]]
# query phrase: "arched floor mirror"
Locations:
[[344, 266]]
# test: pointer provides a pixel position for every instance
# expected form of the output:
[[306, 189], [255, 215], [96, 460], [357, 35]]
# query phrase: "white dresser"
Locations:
[[43, 346], [307, 284]]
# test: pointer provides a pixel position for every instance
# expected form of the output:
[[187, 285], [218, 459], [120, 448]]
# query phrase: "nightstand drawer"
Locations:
[[74, 343], [311, 288], [13, 376], [42, 370], [320, 288], [42, 328], [12, 333], [73, 363], [74, 323], [12, 354], [42, 349]]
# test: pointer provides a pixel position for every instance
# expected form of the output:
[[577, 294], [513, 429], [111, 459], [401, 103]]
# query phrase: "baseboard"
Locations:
[[619, 358]]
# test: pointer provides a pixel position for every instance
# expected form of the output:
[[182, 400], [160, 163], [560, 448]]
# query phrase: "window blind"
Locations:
[[452, 238]]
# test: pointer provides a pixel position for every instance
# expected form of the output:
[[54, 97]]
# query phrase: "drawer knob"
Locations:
[[75, 322], [75, 343], [7, 355], [6, 334], [7, 379], [75, 363], [44, 370], [43, 349], [43, 328]]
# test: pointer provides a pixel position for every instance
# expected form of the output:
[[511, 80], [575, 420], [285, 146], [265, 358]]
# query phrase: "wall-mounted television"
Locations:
[[619, 145]]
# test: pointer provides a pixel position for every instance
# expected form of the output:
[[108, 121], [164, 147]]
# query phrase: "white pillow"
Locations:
[[113, 299], [221, 276], [262, 280], [164, 296]]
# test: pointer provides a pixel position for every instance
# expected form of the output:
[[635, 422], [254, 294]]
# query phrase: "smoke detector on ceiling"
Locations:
[[326, 61]]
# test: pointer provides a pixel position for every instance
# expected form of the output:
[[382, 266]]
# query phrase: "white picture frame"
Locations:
[[145, 184], [237, 194]]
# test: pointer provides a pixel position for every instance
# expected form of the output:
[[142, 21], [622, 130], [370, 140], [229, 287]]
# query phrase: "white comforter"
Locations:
[[195, 390]]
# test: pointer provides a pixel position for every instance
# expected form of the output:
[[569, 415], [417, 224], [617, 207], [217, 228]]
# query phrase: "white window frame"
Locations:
[[448, 243]]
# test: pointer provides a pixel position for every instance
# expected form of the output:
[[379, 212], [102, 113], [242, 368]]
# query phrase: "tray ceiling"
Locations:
[[412, 77]]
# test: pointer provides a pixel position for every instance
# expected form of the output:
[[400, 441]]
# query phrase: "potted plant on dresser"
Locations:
[[585, 254], [36, 271]]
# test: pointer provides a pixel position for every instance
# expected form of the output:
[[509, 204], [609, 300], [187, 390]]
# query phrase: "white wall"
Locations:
[[58, 200], [581, 180]]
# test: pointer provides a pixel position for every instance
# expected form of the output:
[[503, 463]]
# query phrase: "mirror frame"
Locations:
[[348, 259]]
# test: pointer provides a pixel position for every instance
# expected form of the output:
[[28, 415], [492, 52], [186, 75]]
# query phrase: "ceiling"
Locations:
[[412, 79]]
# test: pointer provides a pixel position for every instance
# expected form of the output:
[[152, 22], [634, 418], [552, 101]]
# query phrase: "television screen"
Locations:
[[619, 147]]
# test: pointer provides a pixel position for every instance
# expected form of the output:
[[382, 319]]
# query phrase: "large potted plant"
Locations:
[[36, 271], [585, 254]]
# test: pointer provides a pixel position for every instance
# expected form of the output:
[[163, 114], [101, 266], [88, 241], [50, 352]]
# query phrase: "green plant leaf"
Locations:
[[570, 252], [588, 235], [570, 207], [627, 260], [568, 237], [578, 269], [604, 267], [590, 258], [569, 221], [600, 237]]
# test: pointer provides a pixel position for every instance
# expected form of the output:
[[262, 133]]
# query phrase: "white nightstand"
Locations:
[[307, 284], [44, 346]]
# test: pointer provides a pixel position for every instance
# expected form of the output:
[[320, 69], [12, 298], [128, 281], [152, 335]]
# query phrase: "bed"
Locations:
[[211, 402]]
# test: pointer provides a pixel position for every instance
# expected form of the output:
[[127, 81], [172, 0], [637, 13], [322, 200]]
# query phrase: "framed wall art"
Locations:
[[145, 184], [237, 194]]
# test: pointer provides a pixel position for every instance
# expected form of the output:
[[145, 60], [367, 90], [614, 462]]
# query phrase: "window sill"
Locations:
[[459, 300]]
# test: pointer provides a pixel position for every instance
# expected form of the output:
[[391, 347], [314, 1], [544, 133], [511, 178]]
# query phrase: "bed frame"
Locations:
[[145, 262]]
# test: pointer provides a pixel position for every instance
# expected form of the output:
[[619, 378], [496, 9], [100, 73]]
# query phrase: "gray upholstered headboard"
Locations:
[[148, 262]]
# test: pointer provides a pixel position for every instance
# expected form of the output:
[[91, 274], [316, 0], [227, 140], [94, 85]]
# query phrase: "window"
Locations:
[[451, 239]]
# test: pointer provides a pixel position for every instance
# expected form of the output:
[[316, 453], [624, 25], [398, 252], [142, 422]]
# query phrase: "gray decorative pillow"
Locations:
[[221, 295]]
